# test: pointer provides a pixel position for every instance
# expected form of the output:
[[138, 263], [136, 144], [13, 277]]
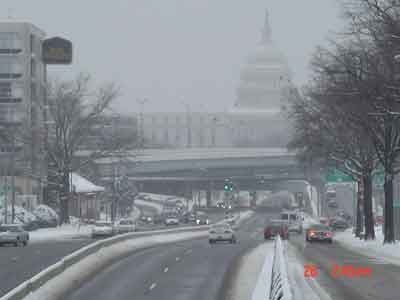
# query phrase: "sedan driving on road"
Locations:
[[171, 220], [13, 234], [102, 229], [221, 232], [319, 232], [275, 227]]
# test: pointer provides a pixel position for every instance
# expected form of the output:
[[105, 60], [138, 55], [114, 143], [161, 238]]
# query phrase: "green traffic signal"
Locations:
[[226, 187]]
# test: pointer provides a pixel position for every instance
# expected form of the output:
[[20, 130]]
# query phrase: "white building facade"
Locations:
[[22, 85]]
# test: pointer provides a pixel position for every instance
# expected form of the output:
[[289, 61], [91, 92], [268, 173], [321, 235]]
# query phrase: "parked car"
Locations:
[[294, 219], [47, 217], [171, 219], [125, 226], [13, 234], [221, 232], [103, 229], [319, 232], [275, 227]]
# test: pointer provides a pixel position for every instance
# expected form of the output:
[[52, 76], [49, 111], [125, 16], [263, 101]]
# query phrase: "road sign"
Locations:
[[396, 204], [335, 175]]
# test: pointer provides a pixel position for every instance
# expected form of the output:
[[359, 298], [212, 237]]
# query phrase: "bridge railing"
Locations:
[[280, 288]]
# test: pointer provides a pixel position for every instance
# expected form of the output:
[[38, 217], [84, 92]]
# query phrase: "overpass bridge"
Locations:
[[176, 171]]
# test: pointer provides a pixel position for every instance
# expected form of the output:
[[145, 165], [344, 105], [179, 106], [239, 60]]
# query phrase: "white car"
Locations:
[[125, 226], [102, 228], [171, 220], [221, 232], [13, 234], [294, 220]]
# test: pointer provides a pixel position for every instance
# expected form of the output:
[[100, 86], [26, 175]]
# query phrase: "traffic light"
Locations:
[[228, 186]]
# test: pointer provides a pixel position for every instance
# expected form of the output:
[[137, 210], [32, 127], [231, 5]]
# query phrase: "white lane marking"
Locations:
[[153, 285], [188, 251], [177, 259], [166, 270]]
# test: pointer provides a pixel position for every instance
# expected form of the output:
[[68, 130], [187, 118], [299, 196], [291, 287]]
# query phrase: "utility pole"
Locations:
[[13, 179]]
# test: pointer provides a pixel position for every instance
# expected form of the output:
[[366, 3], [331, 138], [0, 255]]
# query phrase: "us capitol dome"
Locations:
[[257, 118]]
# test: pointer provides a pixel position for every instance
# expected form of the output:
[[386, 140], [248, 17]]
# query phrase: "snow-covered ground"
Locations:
[[252, 279], [67, 231], [388, 252]]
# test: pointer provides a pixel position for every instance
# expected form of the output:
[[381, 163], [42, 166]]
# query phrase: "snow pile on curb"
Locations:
[[67, 231], [388, 252], [262, 288], [252, 280]]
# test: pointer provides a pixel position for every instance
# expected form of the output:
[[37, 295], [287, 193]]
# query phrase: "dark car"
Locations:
[[275, 227], [332, 204], [339, 223], [319, 232]]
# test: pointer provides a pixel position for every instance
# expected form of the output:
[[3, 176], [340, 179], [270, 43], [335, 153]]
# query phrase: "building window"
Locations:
[[10, 67], [10, 92], [10, 42], [5, 89]]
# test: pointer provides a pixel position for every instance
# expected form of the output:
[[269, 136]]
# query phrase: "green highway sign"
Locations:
[[378, 177], [396, 203], [335, 175]]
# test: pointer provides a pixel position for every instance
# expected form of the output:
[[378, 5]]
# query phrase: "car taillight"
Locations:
[[328, 234], [311, 233]]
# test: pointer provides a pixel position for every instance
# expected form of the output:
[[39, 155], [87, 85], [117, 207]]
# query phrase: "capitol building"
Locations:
[[256, 119]]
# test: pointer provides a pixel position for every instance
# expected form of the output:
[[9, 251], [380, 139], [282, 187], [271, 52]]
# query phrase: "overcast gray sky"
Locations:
[[177, 50]]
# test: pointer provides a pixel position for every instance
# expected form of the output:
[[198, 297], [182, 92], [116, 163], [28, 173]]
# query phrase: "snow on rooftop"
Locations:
[[82, 185]]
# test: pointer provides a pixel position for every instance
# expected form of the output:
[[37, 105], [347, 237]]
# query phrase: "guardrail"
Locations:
[[280, 289], [41, 278]]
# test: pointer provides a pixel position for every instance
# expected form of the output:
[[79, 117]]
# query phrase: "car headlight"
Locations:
[[197, 221]]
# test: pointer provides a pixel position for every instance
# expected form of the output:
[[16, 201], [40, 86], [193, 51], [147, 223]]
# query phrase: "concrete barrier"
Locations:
[[41, 278], [280, 289]]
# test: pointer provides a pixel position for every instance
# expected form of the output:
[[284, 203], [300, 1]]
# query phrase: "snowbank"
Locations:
[[252, 278], [388, 252], [263, 285], [45, 212], [64, 232]]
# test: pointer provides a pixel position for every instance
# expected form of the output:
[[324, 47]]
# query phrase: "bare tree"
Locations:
[[74, 109]]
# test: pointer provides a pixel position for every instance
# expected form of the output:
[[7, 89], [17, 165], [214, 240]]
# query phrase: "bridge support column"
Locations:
[[209, 193]]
